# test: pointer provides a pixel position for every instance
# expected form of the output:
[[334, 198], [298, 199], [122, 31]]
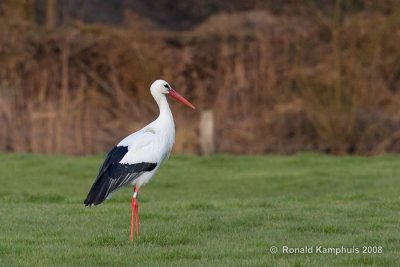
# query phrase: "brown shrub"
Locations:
[[276, 83]]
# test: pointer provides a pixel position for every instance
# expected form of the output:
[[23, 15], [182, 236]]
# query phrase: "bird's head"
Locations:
[[161, 87]]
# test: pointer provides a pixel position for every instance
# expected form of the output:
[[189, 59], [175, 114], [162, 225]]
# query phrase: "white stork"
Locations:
[[136, 158]]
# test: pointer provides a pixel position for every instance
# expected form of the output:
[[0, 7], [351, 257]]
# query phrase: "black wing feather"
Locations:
[[114, 156], [113, 175]]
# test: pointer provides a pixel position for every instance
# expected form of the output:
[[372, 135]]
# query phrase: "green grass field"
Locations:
[[203, 211]]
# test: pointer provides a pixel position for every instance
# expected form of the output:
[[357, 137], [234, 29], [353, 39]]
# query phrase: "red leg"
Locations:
[[135, 214], [137, 219], [132, 218]]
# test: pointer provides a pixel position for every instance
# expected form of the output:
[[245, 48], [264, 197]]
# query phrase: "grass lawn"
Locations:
[[204, 211]]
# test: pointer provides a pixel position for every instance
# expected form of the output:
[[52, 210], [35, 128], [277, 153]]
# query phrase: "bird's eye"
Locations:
[[166, 86]]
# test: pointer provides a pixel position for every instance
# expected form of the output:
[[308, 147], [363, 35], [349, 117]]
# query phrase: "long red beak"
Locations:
[[174, 94]]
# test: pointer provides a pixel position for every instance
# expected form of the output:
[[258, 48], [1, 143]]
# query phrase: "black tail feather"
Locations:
[[116, 176], [98, 193]]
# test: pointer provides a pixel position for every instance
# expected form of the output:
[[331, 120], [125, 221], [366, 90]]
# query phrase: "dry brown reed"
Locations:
[[326, 81]]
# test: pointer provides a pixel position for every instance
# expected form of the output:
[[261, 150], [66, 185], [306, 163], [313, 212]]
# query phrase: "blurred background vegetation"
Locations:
[[279, 76]]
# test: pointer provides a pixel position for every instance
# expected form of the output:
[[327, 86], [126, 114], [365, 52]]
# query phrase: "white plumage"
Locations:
[[137, 157]]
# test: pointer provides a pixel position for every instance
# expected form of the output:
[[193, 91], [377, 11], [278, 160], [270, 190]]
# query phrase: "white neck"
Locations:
[[163, 105], [165, 122]]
